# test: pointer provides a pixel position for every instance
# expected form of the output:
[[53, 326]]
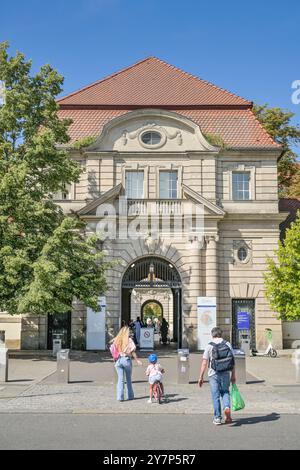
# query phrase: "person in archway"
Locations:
[[149, 323], [137, 327], [164, 329], [132, 332], [126, 349]]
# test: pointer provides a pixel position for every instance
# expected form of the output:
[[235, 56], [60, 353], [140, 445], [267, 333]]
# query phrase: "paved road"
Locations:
[[171, 432]]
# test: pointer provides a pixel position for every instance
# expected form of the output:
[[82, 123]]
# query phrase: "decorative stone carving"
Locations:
[[152, 244], [124, 137], [152, 126]]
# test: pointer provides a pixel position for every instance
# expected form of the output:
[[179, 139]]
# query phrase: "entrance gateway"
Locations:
[[151, 275]]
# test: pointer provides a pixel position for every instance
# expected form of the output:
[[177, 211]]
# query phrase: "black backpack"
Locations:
[[222, 357]]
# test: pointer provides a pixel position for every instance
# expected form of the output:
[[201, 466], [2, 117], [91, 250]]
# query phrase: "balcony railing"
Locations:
[[154, 207]]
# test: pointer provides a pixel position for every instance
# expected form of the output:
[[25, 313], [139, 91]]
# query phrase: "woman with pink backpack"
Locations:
[[123, 350]]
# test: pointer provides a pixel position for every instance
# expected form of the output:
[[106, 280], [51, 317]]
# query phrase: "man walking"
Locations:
[[219, 358]]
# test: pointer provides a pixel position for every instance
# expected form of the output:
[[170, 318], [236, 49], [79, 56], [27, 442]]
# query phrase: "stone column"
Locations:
[[211, 266]]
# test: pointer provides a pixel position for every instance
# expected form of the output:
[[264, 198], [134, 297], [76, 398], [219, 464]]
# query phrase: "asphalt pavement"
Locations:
[[149, 432]]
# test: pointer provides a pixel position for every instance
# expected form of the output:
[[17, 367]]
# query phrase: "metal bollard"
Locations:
[[3, 364], [183, 367], [56, 344], [2, 338], [240, 366], [63, 366]]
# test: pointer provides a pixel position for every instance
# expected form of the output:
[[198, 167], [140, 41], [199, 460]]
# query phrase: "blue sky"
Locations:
[[250, 48]]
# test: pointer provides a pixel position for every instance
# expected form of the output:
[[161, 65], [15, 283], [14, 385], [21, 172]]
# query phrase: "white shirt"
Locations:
[[208, 354]]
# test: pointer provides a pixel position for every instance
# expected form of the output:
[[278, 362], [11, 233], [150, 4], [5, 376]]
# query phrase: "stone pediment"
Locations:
[[210, 207], [176, 133], [110, 195]]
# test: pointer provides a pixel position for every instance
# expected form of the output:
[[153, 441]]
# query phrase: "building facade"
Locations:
[[181, 184]]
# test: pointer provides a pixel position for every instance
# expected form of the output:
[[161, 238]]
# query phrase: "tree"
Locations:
[[68, 266], [282, 278], [293, 191], [34, 166], [277, 123]]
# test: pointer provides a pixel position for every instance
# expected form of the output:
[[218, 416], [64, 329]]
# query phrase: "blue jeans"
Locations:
[[124, 370], [219, 386]]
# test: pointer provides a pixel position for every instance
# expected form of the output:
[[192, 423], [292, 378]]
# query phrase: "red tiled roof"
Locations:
[[156, 84], [238, 128], [152, 82]]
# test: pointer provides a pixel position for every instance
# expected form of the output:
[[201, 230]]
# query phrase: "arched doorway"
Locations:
[[153, 273], [152, 309]]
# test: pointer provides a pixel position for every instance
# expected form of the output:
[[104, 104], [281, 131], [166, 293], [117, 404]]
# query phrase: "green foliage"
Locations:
[[68, 266], [277, 123], [215, 139], [84, 142], [32, 168], [293, 191], [152, 310], [282, 278]]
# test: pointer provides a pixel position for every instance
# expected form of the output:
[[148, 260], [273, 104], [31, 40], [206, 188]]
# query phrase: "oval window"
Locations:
[[151, 138], [242, 254]]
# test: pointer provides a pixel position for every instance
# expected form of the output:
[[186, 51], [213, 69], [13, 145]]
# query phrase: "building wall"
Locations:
[[206, 170], [245, 281]]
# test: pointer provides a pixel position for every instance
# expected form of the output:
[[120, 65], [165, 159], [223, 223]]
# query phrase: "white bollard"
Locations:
[[296, 362], [63, 366], [3, 364]]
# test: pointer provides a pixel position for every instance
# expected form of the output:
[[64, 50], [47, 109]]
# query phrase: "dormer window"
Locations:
[[151, 138]]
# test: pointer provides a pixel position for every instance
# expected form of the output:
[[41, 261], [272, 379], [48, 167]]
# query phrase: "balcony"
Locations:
[[159, 207]]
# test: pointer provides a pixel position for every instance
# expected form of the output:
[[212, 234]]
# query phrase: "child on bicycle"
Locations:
[[155, 374]]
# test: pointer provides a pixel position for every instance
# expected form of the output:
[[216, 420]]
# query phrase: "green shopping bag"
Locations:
[[237, 402]]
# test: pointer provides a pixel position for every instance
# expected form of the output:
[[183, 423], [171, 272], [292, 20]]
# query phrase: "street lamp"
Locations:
[[151, 273]]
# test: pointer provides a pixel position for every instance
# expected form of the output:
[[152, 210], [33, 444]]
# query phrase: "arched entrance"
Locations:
[[152, 309], [150, 274]]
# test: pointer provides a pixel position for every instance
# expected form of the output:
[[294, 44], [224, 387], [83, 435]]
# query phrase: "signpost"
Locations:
[[95, 327], [147, 339], [207, 319]]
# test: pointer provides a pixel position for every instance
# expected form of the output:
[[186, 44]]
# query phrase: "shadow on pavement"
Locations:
[[81, 382], [19, 380], [253, 382], [256, 419]]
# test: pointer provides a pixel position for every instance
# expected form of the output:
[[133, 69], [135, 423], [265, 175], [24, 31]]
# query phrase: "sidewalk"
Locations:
[[33, 387]]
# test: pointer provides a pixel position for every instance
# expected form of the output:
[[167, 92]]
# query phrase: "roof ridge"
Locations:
[[207, 82], [114, 74]]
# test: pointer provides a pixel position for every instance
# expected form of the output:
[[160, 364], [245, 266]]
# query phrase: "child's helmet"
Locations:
[[152, 358]]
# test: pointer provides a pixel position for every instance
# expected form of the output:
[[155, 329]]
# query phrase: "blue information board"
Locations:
[[243, 320]]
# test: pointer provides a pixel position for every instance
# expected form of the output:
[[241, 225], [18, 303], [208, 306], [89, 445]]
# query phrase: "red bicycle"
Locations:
[[157, 391]]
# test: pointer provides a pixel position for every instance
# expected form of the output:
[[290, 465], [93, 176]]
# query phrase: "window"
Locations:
[[241, 185], [242, 254], [151, 138], [64, 194], [134, 184], [168, 184]]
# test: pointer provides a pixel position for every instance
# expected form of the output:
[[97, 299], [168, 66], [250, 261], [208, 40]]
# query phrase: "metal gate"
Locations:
[[151, 272], [60, 323]]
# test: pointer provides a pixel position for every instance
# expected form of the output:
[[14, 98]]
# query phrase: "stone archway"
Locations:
[[146, 279]]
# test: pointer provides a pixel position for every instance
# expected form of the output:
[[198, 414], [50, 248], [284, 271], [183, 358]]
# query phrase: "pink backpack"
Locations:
[[114, 352]]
